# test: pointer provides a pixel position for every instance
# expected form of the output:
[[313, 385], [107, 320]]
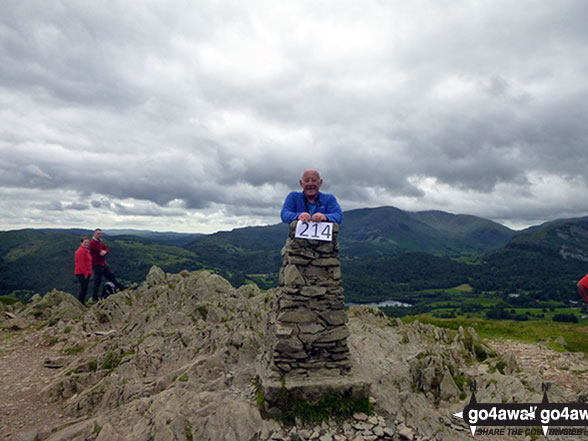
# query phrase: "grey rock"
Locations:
[[334, 318], [360, 416], [298, 316], [313, 291], [560, 341], [289, 345], [311, 328], [292, 276], [55, 362], [326, 262], [405, 432], [448, 389], [363, 426], [511, 363], [284, 331], [315, 272], [335, 334]]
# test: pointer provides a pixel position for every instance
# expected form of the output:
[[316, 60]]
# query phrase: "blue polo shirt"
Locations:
[[297, 203]]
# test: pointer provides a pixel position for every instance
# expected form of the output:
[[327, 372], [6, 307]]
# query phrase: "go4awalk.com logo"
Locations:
[[525, 418]]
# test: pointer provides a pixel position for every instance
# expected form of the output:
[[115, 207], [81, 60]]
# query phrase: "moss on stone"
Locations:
[[330, 405]]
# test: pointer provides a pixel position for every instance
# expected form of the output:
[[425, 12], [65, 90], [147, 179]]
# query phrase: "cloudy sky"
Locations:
[[198, 116]]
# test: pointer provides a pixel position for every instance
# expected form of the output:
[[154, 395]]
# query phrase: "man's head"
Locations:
[[98, 233], [311, 183]]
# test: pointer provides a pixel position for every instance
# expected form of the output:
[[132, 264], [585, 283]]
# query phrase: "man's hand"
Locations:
[[103, 252], [305, 217], [319, 217]]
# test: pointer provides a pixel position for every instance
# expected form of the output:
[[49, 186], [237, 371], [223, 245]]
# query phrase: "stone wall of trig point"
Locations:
[[307, 331]]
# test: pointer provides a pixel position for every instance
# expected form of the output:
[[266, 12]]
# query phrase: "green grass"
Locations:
[[74, 350], [330, 405], [9, 299], [575, 335]]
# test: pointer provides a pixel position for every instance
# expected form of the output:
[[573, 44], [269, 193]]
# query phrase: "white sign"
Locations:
[[314, 230]]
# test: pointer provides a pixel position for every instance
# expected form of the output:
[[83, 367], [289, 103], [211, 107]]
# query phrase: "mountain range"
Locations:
[[386, 253]]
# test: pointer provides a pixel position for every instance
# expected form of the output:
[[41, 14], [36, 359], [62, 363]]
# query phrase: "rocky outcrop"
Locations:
[[175, 359]]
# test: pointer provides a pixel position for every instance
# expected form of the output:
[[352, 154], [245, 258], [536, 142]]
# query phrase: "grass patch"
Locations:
[[202, 310], [145, 337], [52, 341], [74, 350], [113, 361], [9, 299], [330, 405], [188, 431]]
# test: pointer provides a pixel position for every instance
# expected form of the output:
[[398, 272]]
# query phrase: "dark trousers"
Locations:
[[84, 281], [100, 271]]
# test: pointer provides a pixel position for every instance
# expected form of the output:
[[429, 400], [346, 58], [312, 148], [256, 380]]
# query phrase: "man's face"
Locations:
[[98, 234], [311, 183]]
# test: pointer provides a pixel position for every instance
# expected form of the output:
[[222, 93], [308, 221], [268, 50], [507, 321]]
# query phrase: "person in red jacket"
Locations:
[[98, 251], [583, 288], [83, 269]]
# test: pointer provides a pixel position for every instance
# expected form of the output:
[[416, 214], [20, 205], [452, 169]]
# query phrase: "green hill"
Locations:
[[386, 230], [38, 261], [549, 259], [386, 254]]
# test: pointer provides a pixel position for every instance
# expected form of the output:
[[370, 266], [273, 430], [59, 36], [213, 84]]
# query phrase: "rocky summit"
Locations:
[[175, 359]]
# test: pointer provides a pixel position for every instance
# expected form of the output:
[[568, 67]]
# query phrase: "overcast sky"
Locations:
[[197, 116]]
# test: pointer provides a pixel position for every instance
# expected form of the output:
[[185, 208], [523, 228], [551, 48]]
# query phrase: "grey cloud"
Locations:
[[51, 206], [145, 102], [77, 206], [59, 206]]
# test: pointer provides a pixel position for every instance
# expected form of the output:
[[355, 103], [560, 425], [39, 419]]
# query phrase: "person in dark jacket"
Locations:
[[310, 204], [83, 268], [98, 251]]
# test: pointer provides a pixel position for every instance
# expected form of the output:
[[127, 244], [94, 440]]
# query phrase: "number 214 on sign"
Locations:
[[314, 230]]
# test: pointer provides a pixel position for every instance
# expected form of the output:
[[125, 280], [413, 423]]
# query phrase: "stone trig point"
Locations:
[[306, 340]]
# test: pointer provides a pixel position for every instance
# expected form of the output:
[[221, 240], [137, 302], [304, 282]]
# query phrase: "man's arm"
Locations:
[[94, 248], [333, 210], [289, 213]]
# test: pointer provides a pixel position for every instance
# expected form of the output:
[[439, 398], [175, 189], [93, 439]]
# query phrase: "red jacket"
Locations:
[[95, 247], [83, 262]]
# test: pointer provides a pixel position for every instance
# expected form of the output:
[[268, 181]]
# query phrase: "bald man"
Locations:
[[310, 204]]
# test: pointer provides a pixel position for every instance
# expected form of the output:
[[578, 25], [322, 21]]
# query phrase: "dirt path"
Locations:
[[567, 369], [23, 407]]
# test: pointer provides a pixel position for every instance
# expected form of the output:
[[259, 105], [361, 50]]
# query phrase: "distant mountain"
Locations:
[[549, 259], [386, 253], [388, 229], [166, 237], [366, 234], [566, 237]]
